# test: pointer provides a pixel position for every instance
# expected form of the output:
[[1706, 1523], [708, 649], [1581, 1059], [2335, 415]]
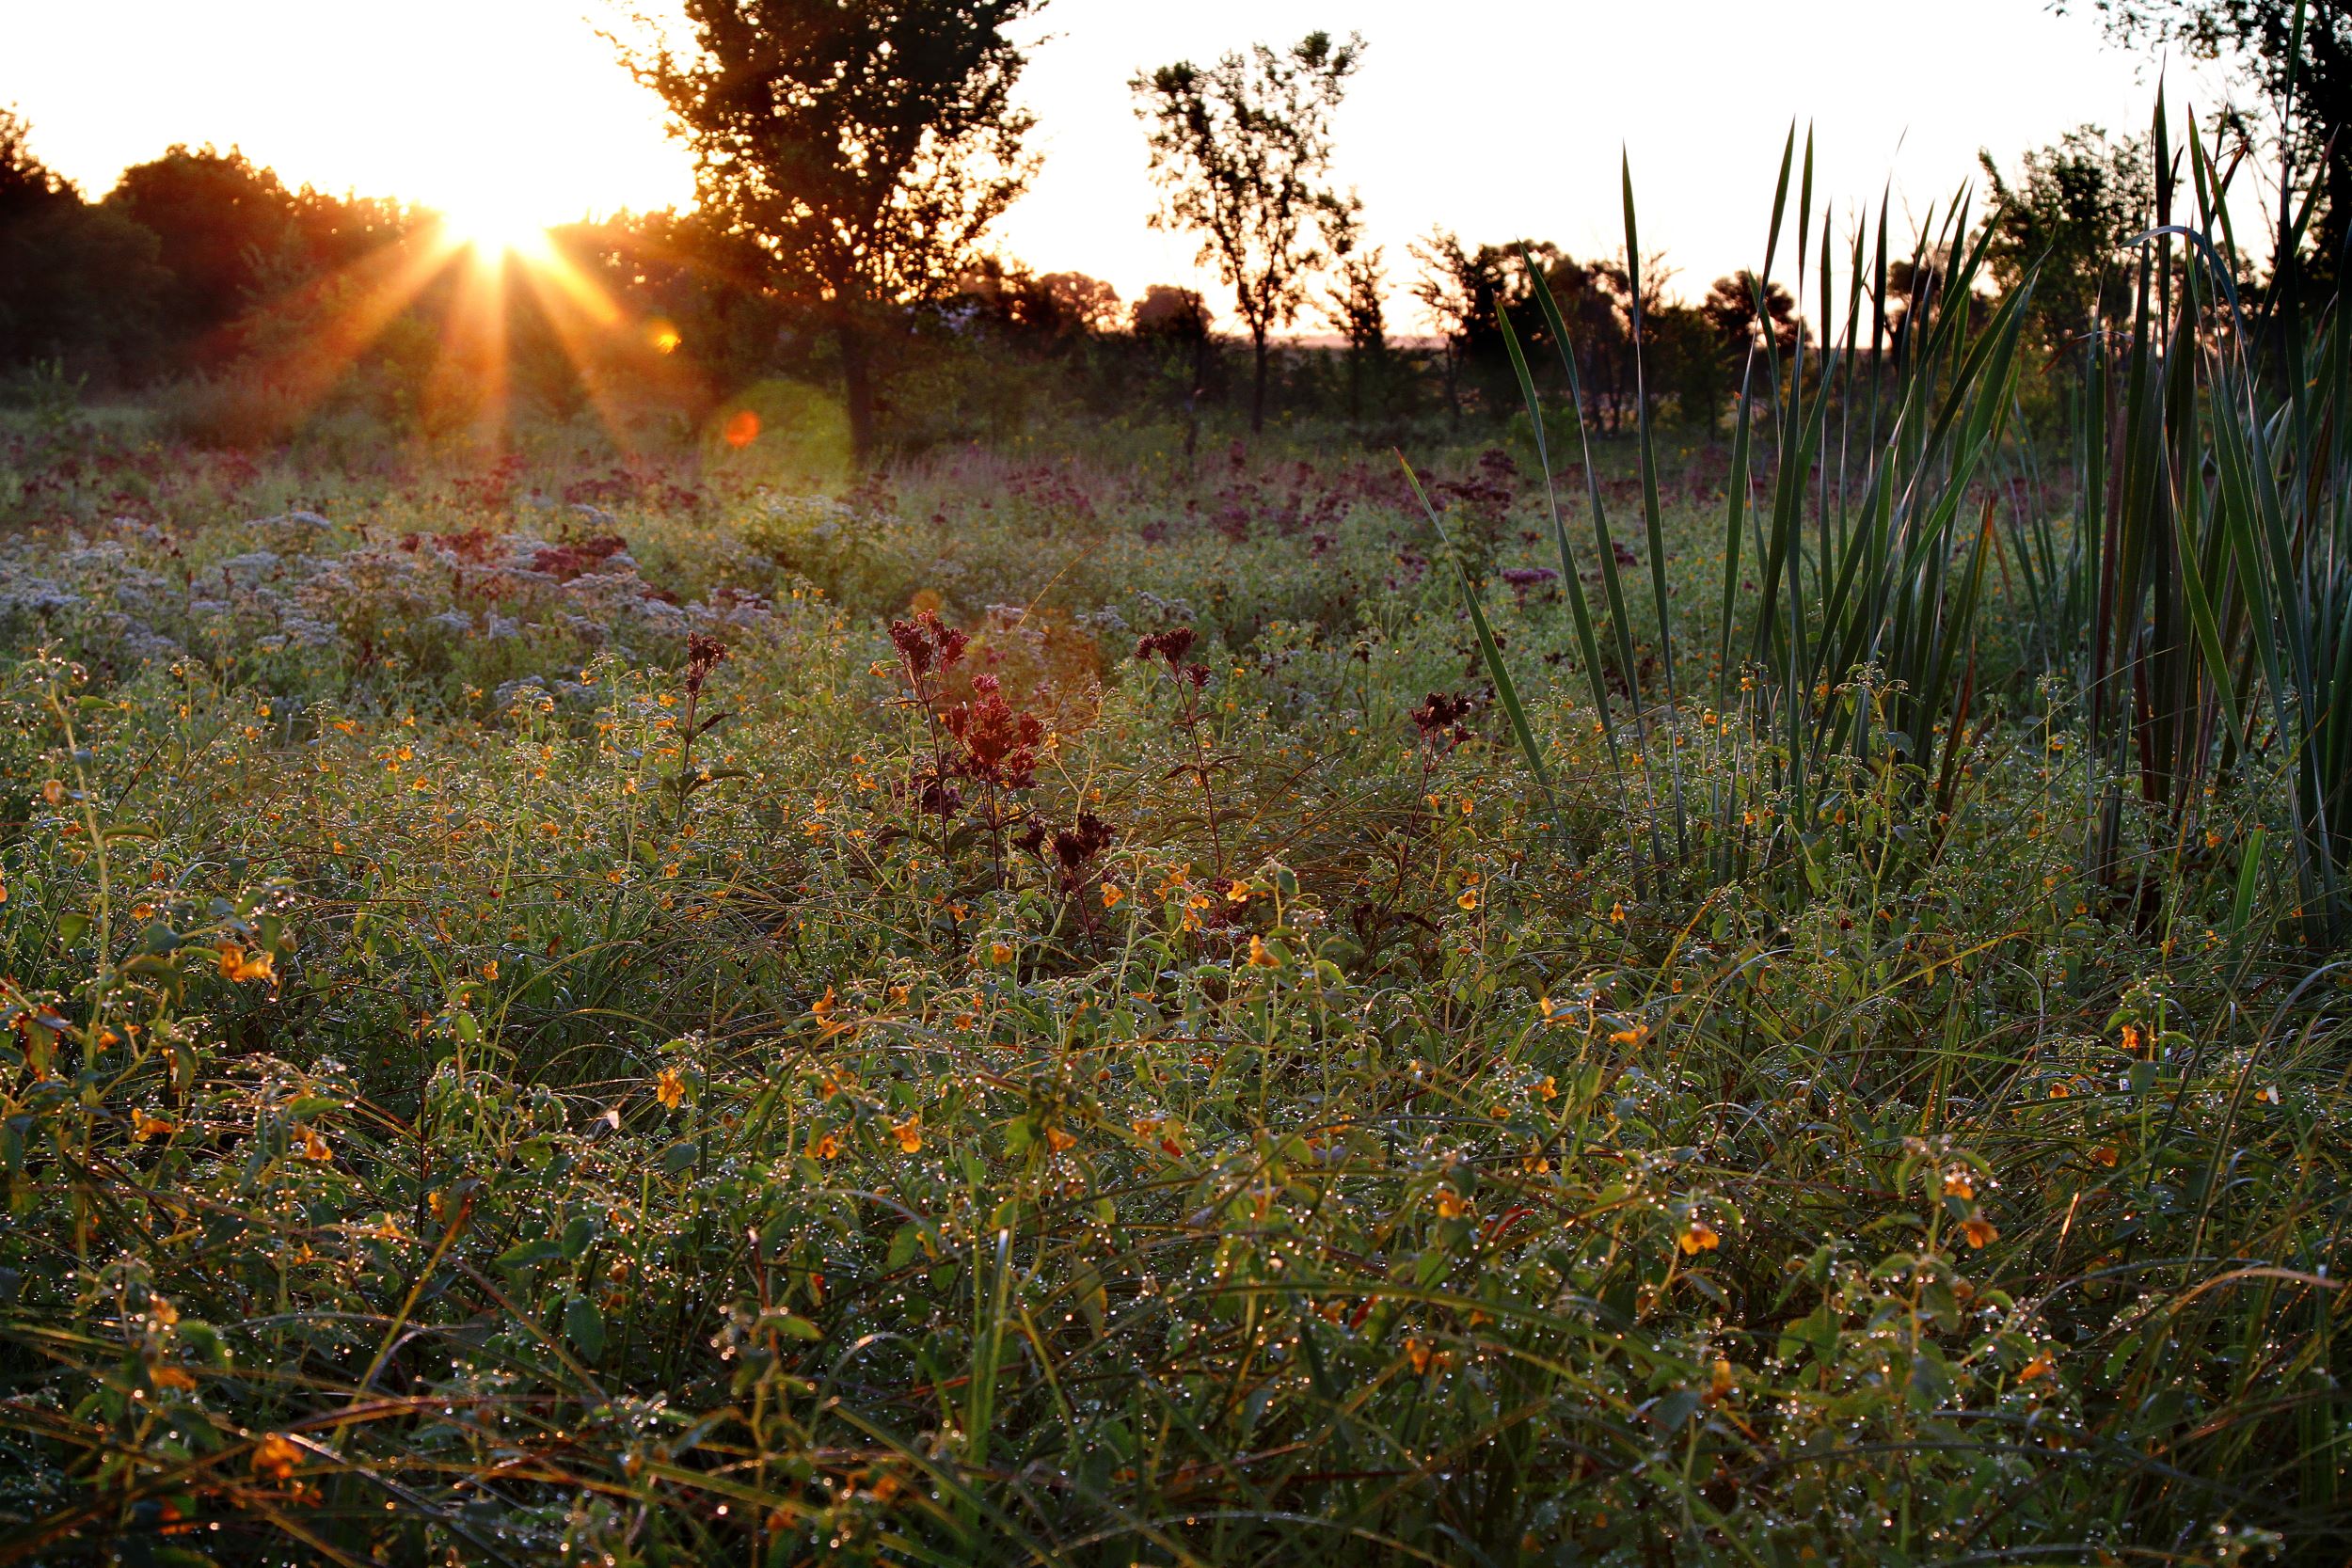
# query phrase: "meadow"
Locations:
[[1106, 1008]]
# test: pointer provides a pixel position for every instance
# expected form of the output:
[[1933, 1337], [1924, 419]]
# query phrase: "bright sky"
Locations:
[[1498, 130]]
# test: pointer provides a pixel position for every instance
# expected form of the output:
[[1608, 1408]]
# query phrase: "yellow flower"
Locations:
[[1721, 1382], [1260, 957], [1237, 893], [823, 1005], [1451, 1204], [1058, 1140], [1697, 1237], [1959, 1181], [237, 964], [1616, 914], [1111, 896], [999, 954], [151, 1126], [2041, 1366], [824, 1146], [170, 1377], [2103, 1156], [2133, 1039], [1469, 899], [909, 1135], [1547, 1089], [670, 1089], [1979, 1230], [490, 970], [53, 792], [1420, 1353], [275, 1458], [314, 1147]]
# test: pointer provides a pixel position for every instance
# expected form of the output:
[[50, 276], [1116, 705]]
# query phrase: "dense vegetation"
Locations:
[[611, 958]]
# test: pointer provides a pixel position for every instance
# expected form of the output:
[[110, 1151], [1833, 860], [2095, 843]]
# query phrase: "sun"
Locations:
[[492, 226]]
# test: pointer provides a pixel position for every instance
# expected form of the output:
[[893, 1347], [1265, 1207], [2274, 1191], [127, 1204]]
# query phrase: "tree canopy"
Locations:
[[863, 146], [1241, 150]]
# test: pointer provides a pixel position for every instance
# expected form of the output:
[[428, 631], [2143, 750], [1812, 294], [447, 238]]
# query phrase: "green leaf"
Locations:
[[584, 1326], [524, 1254]]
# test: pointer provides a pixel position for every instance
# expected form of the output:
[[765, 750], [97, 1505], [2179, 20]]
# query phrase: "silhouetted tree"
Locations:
[[1465, 292], [77, 283], [1355, 308], [1240, 151], [2263, 34], [1730, 312], [1174, 324], [224, 227], [863, 146], [2066, 219]]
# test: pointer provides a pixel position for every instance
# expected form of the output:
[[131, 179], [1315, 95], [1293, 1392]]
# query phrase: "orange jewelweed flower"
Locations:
[[1111, 896], [1979, 1230], [275, 1458], [237, 964], [670, 1089], [823, 1005], [1959, 1181], [909, 1135], [314, 1147], [824, 1146], [1260, 957], [1697, 1237], [2041, 1366]]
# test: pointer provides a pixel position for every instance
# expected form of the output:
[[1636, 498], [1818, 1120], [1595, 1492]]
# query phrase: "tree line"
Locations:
[[851, 158]]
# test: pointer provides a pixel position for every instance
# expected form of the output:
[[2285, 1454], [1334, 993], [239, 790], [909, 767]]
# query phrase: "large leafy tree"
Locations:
[[2305, 46], [77, 282], [1242, 150], [225, 226], [2066, 217], [862, 146]]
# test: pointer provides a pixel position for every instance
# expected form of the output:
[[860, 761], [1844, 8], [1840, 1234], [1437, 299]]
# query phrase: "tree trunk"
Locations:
[[857, 387], [1257, 395]]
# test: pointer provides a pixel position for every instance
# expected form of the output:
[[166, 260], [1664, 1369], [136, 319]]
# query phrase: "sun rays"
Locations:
[[472, 274]]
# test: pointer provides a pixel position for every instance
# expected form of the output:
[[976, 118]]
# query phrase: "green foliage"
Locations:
[[599, 1101]]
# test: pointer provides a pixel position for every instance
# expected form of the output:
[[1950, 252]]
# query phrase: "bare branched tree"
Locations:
[[1241, 150]]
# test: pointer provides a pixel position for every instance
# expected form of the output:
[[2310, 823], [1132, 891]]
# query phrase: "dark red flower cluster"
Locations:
[[926, 644], [1077, 845], [1440, 721], [703, 654], [999, 741], [1173, 645], [1073, 849]]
